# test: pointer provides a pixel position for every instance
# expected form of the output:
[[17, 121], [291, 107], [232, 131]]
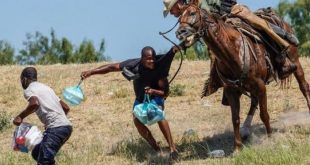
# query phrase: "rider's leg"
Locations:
[[284, 34], [244, 13]]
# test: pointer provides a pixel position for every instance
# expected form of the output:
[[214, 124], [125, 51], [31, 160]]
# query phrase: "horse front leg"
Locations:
[[245, 129], [303, 84], [262, 99], [233, 97]]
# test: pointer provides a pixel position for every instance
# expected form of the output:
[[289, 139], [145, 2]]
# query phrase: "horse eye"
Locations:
[[192, 13]]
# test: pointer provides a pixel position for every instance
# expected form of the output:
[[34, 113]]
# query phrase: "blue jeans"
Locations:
[[53, 138]]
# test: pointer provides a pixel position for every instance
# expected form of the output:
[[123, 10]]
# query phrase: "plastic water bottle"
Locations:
[[151, 114], [20, 140], [217, 154], [23, 148]]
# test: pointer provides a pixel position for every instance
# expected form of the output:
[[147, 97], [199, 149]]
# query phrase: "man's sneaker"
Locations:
[[174, 156]]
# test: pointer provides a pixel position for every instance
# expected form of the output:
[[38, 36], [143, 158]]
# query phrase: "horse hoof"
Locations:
[[245, 133], [269, 135], [236, 152]]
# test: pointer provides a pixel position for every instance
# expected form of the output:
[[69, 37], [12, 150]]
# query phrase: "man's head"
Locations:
[[148, 57], [174, 7], [28, 75]]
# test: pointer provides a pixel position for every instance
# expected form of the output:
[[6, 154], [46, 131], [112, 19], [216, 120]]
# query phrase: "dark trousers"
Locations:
[[53, 138]]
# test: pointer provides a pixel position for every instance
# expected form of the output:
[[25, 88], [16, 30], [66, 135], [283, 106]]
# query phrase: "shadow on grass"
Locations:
[[189, 147], [139, 150], [194, 148]]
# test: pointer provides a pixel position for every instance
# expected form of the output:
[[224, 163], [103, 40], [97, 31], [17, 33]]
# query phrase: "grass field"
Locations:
[[105, 134]]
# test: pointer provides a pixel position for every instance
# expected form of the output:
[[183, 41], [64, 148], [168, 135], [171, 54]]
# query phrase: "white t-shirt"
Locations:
[[50, 111]]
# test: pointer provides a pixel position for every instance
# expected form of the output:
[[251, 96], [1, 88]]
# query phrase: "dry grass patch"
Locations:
[[104, 133]]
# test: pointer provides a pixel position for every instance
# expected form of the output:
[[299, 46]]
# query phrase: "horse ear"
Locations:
[[195, 2]]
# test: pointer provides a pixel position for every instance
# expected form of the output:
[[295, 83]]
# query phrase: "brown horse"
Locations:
[[239, 69]]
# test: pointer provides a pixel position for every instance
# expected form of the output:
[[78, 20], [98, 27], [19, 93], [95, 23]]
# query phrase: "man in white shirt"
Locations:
[[51, 110]]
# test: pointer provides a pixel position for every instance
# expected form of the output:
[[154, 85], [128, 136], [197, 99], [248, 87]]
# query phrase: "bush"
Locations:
[[4, 120], [304, 49], [177, 90]]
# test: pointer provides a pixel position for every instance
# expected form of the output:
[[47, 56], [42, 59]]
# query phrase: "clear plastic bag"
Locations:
[[148, 112], [25, 137], [74, 95]]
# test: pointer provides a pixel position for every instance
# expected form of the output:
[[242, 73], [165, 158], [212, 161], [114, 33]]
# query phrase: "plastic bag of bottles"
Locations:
[[148, 112], [25, 137], [74, 95]]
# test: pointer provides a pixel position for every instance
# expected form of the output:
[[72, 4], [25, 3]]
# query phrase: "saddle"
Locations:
[[257, 36]]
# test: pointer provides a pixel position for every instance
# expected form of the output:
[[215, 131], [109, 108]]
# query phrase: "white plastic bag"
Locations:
[[25, 137]]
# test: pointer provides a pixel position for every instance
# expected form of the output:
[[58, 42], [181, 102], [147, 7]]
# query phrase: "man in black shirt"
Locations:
[[149, 74]]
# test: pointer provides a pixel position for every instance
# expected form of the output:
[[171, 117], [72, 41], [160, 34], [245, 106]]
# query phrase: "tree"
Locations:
[[297, 14], [39, 49], [86, 52], [6, 53], [66, 56], [36, 46]]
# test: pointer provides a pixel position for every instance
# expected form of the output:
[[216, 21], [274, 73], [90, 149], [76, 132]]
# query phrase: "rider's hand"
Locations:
[[17, 120], [85, 74]]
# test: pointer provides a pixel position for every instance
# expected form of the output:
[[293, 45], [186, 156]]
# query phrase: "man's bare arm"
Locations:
[[33, 105], [101, 70], [64, 106]]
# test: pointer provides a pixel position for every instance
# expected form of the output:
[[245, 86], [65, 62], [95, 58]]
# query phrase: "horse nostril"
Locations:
[[183, 31]]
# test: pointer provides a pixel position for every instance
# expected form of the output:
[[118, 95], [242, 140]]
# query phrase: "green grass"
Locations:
[[4, 120]]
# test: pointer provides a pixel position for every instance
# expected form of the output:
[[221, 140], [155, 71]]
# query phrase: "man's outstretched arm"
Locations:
[[101, 70]]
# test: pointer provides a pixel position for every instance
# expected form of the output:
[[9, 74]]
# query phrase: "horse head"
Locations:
[[192, 24]]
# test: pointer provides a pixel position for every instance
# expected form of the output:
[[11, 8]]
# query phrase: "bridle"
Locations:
[[202, 21], [200, 33], [197, 21]]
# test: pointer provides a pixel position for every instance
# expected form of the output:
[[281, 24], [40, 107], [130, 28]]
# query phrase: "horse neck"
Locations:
[[223, 41]]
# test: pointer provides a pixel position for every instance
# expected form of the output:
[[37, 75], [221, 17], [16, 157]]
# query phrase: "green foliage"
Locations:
[[304, 49], [39, 49], [196, 52], [4, 120], [177, 90], [6, 53], [297, 14]]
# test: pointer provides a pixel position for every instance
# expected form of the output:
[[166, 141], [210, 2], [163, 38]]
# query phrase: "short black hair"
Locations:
[[29, 73], [146, 49]]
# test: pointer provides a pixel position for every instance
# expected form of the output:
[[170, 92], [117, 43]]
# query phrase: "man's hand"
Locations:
[[86, 74], [17, 120], [148, 90], [178, 48]]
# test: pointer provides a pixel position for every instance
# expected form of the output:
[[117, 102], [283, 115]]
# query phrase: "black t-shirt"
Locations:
[[148, 77]]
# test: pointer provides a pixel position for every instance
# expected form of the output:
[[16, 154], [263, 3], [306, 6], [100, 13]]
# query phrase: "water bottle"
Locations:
[[20, 140], [151, 114], [217, 154]]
